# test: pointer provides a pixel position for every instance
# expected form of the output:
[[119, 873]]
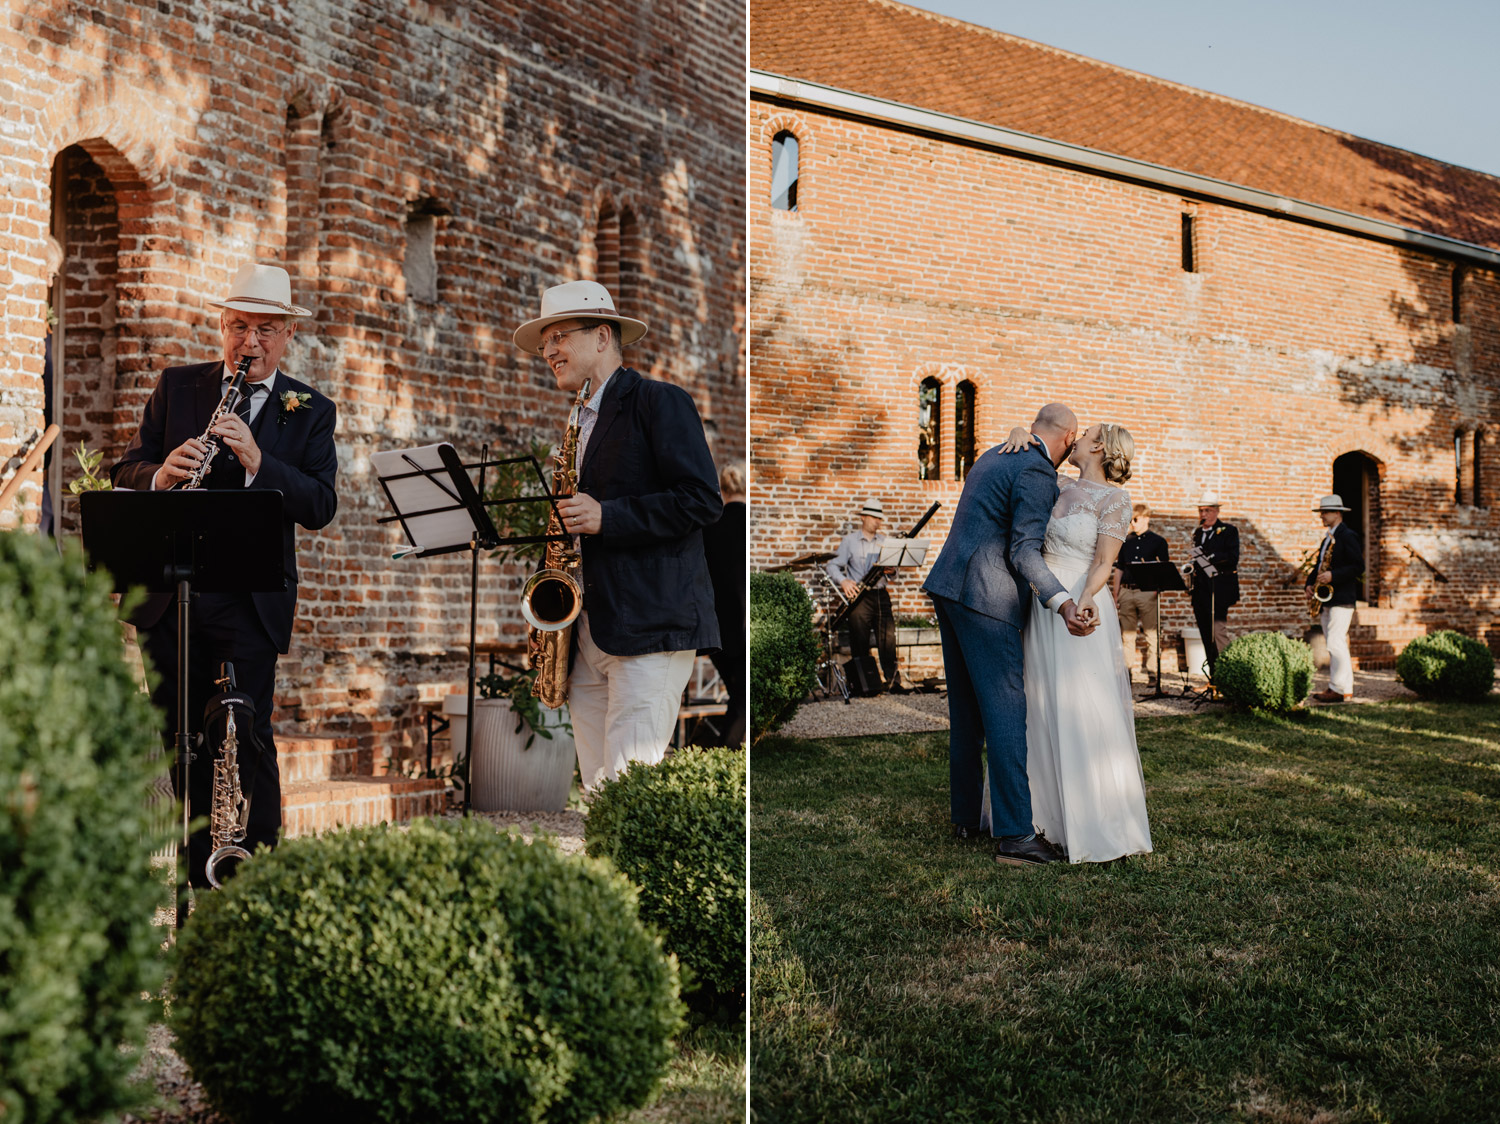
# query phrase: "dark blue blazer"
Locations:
[[1346, 561], [298, 460], [992, 559], [646, 584]]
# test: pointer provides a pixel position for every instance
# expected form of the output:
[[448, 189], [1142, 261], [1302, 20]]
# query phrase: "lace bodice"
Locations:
[[1083, 512]]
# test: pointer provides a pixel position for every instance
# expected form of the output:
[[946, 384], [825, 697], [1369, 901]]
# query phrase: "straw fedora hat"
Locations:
[[266, 289], [576, 300], [873, 507], [1332, 502], [1210, 499]]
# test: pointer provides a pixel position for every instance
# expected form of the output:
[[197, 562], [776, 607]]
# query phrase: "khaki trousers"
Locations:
[[1138, 610]]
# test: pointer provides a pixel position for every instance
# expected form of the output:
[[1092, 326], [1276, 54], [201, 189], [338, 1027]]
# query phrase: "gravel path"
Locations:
[[918, 713]]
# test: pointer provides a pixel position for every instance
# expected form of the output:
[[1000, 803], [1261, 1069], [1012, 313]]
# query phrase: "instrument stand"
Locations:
[[1208, 692], [1154, 577], [222, 541], [442, 511]]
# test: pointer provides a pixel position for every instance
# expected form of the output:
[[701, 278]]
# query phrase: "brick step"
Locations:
[[303, 758], [1374, 663], [321, 805]]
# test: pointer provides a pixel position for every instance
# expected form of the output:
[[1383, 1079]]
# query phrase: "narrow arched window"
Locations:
[[929, 428], [784, 172], [1479, 439], [963, 429]]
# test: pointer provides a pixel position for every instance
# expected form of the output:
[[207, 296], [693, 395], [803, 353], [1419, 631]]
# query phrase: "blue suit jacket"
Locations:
[[298, 460], [992, 560]]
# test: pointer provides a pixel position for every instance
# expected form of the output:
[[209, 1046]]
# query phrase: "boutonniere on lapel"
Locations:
[[291, 402]]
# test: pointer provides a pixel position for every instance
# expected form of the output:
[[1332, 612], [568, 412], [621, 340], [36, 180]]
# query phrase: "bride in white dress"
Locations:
[[1088, 796]]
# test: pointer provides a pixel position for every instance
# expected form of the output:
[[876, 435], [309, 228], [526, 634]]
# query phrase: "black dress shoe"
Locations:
[[969, 834], [1030, 852]]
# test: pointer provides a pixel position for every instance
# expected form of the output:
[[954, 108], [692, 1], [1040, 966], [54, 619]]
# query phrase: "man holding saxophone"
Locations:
[[1334, 580], [646, 489], [280, 437]]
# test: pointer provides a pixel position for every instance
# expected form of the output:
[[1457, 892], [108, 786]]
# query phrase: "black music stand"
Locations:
[[223, 541], [1154, 577], [441, 511]]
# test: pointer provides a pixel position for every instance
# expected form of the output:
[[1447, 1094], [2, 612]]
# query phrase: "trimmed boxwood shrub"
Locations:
[[677, 830], [1447, 665], [444, 973], [1264, 671], [784, 651], [77, 895]]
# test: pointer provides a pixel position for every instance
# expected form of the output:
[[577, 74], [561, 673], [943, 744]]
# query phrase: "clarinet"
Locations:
[[226, 405]]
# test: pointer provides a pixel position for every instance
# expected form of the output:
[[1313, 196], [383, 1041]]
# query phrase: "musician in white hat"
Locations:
[[872, 615], [1334, 581], [279, 438], [1214, 560], [647, 487]]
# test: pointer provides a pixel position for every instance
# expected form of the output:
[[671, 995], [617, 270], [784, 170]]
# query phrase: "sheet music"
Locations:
[[442, 530], [902, 552]]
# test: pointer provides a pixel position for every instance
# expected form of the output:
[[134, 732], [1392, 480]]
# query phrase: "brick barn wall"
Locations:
[[310, 136], [911, 257]]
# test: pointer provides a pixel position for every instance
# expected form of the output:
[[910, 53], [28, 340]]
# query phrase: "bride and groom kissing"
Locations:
[[1042, 748]]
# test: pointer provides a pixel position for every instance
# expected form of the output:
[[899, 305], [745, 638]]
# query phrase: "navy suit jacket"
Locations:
[[992, 559], [298, 459], [646, 584], [1346, 561]]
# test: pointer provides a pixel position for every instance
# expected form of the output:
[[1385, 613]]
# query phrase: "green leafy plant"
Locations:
[[677, 830], [527, 707], [445, 973], [784, 651], [1447, 665], [91, 480], [1265, 671], [521, 520], [77, 893]]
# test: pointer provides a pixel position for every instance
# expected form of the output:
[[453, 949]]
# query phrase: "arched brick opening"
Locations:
[[1356, 478]]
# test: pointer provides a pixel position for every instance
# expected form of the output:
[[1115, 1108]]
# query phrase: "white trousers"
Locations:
[[624, 708], [1336, 620]]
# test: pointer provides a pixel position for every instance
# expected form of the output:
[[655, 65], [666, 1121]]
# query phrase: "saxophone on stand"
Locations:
[[553, 596], [229, 814]]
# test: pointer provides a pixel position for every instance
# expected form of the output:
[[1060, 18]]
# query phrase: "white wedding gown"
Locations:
[[1087, 792]]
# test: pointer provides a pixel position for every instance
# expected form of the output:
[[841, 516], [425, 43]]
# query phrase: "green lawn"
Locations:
[[1316, 937]]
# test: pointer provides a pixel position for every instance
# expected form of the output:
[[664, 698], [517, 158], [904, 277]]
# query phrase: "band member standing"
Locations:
[[646, 489], [872, 615], [283, 441], [1215, 562], [1137, 607], [1338, 567]]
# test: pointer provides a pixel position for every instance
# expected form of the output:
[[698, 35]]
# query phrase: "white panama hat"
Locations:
[[1331, 502], [266, 289], [873, 507], [576, 300], [1210, 499]]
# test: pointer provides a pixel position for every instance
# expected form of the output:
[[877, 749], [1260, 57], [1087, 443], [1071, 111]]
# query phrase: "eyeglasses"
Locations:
[[554, 339], [265, 333]]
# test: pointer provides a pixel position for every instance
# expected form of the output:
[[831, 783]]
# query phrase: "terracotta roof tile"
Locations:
[[902, 54]]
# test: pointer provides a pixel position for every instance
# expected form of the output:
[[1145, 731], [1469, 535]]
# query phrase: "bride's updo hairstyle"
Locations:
[[1119, 448]]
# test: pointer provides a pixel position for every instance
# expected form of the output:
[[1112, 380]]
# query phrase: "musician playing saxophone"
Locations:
[[1334, 580], [872, 617], [281, 439], [646, 489]]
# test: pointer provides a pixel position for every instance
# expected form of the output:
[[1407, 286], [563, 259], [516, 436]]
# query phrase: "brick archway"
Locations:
[[1356, 477]]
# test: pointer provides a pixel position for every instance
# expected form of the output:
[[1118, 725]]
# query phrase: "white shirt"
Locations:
[[588, 417]]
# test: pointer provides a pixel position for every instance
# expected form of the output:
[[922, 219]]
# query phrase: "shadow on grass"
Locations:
[[1315, 936]]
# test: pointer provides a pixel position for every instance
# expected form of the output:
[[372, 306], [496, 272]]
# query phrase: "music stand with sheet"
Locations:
[[442, 511], [222, 541], [1154, 577]]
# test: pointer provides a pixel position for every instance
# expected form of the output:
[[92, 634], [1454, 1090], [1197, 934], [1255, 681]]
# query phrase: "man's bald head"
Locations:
[[1057, 426]]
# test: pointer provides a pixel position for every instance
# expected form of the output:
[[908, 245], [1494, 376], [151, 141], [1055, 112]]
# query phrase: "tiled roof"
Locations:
[[901, 54]]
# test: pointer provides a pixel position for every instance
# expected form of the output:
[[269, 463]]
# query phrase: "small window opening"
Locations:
[[963, 429], [784, 172], [419, 262], [1479, 435], [1189, 264], [1459, 273], [929, 428]]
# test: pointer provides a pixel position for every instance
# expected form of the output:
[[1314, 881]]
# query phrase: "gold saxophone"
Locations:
[[230, 812], [553, 596]]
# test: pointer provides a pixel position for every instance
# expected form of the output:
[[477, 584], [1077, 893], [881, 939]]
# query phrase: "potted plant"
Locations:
[[523, 752]]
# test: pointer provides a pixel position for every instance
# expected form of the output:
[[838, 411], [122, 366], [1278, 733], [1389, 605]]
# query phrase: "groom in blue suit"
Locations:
[[982, 587]]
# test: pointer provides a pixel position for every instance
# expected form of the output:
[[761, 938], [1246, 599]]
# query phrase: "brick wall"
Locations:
[[310, 136], [913, 257]]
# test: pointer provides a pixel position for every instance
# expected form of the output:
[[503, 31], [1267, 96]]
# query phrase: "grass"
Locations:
[[706, 1084], [1315, 937]]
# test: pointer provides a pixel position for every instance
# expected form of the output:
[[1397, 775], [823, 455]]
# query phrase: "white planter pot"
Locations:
[[504, 775], [1192, 647]]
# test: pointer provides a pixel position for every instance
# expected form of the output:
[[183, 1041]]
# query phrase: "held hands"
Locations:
[[181, 463], [1019, 438], [581, 514], [1077, 623]]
